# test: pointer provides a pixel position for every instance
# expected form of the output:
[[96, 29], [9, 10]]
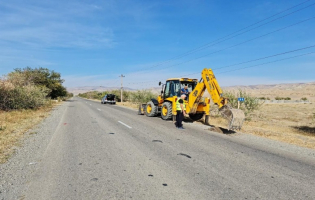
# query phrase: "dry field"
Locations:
[[290, 123], [128, 104], [14, 125]]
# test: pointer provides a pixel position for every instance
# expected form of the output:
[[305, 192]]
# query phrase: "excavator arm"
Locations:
[[213, 87], [209, 82], [235, 117]]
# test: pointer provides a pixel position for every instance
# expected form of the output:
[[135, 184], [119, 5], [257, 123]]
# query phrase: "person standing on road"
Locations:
[[181, 111]]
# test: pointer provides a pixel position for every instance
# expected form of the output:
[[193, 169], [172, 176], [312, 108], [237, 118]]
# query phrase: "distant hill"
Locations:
[[293, 90]]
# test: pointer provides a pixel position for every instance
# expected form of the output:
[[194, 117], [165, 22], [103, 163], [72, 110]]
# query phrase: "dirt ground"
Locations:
[[128, 104], [290, 123]]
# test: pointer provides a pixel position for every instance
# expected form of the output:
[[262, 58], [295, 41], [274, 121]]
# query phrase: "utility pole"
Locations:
[[121, 89]]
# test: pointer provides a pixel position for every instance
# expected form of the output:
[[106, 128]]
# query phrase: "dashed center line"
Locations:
[[99, 109], [124, 124]]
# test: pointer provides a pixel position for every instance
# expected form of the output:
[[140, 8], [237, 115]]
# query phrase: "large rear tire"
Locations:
[[151, 109], [166, 111], [196, 116]]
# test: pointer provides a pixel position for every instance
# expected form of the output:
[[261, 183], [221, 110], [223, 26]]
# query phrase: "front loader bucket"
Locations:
[[234, 117]]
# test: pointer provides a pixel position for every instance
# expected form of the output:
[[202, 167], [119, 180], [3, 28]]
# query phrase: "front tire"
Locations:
[[151, 109], [166, 111]]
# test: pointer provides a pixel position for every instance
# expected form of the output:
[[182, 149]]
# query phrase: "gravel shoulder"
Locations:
[[19, 169]]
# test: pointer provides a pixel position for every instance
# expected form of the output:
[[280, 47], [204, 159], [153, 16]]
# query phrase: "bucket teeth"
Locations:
[[234, 117]]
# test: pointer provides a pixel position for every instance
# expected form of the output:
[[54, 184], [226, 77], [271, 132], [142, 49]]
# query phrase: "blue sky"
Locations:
[[92, 42]]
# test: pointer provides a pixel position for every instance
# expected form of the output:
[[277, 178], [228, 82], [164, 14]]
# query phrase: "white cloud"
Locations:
[[52, 26]]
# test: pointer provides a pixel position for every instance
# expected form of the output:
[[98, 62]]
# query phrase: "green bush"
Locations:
[[40, 77], [142, 96], [29, 88], [303, 99], [249, 105], [21, 97], [139, 96], [282, 98]]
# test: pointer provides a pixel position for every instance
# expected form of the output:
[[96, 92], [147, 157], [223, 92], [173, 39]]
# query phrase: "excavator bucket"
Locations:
[[234, 117]]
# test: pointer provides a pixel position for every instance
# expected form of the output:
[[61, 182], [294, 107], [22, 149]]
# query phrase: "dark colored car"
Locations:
[[108, 98]]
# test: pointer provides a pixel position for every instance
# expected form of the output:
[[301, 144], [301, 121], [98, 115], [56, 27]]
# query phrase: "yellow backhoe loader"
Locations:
[[196, 105]]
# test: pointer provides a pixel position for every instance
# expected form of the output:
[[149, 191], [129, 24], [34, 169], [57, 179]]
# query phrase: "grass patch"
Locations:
[[14, 124]]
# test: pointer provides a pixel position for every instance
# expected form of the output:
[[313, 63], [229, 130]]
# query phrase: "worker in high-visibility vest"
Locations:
[[181, 111]]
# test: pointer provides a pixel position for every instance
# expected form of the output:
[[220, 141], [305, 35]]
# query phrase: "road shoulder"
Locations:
[[19, 169]]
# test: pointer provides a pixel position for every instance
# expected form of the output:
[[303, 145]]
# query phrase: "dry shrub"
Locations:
[[15, 94]]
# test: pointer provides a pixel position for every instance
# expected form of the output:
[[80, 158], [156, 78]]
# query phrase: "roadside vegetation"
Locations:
[[249, 105], [282, 98], [139, 96], [26, 97]]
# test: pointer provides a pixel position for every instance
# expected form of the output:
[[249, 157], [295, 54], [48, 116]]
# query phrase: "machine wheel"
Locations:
[[151, 109], [140, 110], [196, 116], [166, 111]]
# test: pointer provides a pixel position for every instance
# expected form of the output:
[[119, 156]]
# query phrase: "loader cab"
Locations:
[[173, 87], [190, 85]]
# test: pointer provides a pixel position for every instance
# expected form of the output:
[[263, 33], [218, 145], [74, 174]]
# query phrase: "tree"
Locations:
[[41, 77]]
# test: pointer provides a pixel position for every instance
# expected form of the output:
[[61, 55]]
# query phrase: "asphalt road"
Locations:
[[108, 152]]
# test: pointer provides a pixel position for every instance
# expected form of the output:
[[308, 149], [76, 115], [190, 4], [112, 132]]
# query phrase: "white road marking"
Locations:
[[99, 109], [125, 124], [90, 104]]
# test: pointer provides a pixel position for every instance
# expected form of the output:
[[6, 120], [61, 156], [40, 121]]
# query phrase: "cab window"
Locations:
[[172, 88]]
